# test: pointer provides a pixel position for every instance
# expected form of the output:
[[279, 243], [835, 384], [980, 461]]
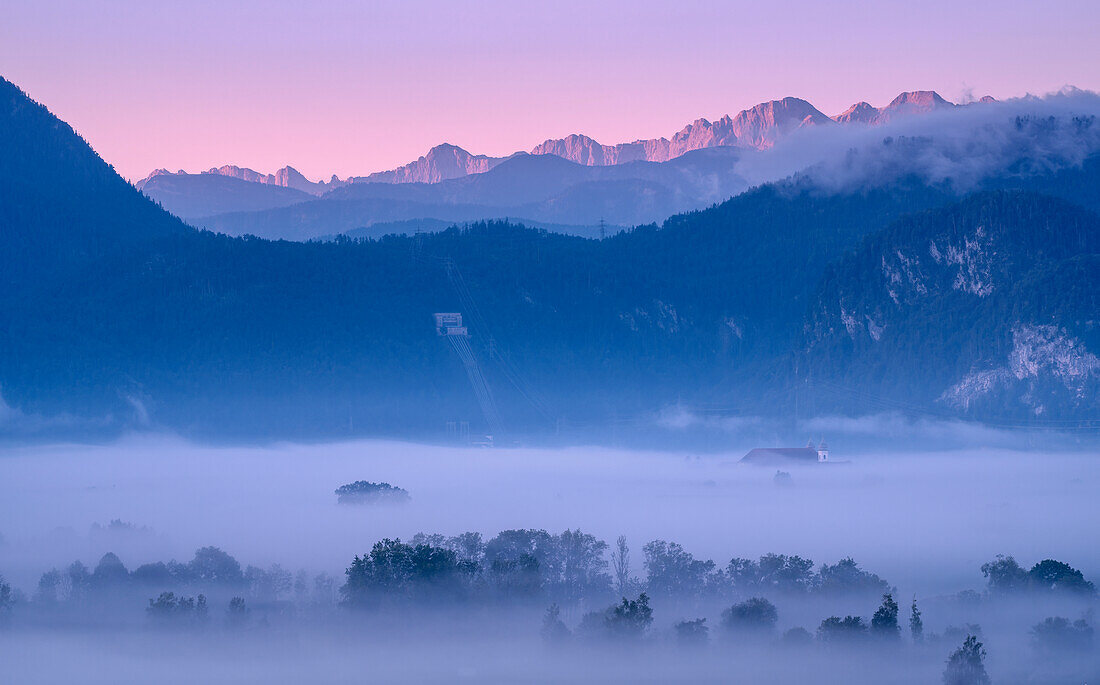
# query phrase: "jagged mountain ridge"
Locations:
[[441, 163], [546, 189], [287, 177], [757, 128], [207, 194], [905, 104], [198, 197]]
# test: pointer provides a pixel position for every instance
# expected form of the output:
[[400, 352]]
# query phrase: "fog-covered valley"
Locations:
[[918, 523], [750, 391]]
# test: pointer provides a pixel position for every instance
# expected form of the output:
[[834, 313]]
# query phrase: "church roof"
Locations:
[[773, 455]]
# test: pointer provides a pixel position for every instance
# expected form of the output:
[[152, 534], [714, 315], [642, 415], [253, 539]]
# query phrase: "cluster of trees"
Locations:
[[7, 599], [168, 608], [1006, 576], [754, 621], [514, 564], [526, 567], [366, 492], [573, 565], [211, 570]]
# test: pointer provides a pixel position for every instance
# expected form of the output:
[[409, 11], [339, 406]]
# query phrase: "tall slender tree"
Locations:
[[620, 562], [916, 625]]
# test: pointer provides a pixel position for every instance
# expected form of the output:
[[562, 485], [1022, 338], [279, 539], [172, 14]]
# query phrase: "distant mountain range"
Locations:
[[756, 128], [795, 297], [632, 183], [544, 190], [916, 102]]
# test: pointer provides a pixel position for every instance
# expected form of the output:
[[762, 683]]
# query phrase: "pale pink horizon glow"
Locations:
[[347, 88]]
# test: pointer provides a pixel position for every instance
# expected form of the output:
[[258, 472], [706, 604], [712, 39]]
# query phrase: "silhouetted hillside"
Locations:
[[987, 307], [116, 312]]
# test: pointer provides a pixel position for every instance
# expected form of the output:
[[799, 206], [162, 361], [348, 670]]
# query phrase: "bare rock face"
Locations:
[[441, 163], [243, 174], [905, 104], [760, 127], [757, 128], [1043, 358], [584, 150], [153, 174], [578, 148], [287, 177], [859, 113], [913, 102]]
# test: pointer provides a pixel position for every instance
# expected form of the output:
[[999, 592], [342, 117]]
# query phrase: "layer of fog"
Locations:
[[961, 146], [925, 521]]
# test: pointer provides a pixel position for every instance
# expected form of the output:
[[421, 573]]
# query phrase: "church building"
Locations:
[[778, 456]]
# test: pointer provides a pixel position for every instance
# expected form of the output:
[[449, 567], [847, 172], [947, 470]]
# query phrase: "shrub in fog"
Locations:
[[1057, 634], [553, 629], [836, 630], [966, 665], [117, 529], [366, 492], [236, 614], [753, 616], [797, 637], [268, 585], [168, 609], [884, 624], [630, 618], [692, 633], [955, 634], [7, 597], [968, 598]]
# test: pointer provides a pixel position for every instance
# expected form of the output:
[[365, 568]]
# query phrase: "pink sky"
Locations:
[[353, 87]]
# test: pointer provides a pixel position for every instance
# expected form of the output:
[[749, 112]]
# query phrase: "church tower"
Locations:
[[822, 451]]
